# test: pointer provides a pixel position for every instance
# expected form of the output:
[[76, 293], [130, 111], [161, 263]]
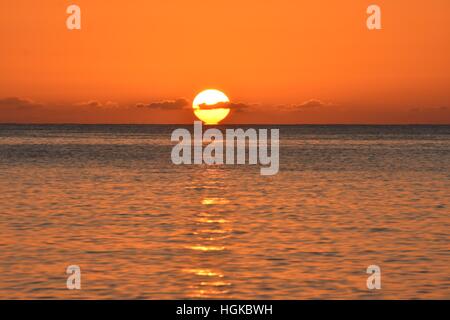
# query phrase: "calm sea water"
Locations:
[[108, 198]]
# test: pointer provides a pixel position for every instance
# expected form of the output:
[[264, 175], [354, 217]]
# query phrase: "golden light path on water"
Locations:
[[212, 229]]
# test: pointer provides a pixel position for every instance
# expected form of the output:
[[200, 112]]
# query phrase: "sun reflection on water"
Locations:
[[212, 201], [211, 229], [207, 248]]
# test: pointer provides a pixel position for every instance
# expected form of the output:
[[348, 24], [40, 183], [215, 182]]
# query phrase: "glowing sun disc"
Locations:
[[211, 106]]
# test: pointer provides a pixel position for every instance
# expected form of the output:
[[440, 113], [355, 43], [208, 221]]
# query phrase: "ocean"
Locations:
[[108, 198]]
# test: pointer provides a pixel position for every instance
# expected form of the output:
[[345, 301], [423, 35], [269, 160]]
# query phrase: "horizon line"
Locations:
[[225, 124]]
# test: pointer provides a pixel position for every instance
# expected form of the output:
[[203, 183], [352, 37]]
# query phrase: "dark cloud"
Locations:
[[237, 107], [220, 105], [97, 104], [241, 107], [111, 104], [310, 104], [166, 105], [19, 103], [432, 109], [91, 104]]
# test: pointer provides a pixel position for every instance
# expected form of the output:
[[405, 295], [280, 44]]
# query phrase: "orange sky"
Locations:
[[279, 61]]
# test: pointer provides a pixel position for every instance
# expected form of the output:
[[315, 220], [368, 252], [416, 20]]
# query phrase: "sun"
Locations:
[[211, 106]]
